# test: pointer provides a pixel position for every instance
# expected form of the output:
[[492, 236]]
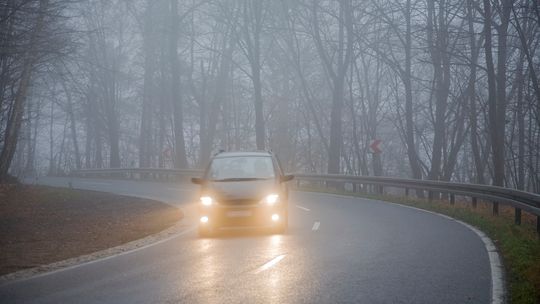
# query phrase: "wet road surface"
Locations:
[[337, 250]]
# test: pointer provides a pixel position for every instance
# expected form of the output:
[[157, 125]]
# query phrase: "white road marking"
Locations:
[[316, 226], [497, 269], [303, 208], [269, 264]]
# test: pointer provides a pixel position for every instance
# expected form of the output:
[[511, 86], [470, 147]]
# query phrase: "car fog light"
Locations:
[[204, 219], [275, 217]]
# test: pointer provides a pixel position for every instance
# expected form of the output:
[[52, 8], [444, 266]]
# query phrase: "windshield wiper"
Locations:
[[238, 179]]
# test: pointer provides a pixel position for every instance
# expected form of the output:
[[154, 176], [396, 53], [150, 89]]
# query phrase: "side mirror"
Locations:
[[197, 180], [286, 178]]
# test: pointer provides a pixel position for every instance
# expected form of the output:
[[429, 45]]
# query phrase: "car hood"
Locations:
[[240, 190]]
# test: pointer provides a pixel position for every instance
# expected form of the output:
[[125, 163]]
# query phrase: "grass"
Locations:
[[519, 246]]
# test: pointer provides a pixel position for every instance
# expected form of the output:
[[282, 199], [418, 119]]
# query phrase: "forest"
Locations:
[[450, 87]]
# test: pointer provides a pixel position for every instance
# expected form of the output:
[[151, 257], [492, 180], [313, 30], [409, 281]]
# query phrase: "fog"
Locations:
[[450, 88]]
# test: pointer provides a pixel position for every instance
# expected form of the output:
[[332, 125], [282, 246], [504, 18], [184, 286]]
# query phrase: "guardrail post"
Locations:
[[406, 192], [517, 216], [474, 202], [495, 208], [452, 199], [430, 196], [538, 223]]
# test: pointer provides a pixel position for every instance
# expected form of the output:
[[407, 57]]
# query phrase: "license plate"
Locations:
[[239, 213]]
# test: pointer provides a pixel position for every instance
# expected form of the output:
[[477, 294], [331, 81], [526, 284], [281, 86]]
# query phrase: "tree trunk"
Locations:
[[252, 27], [520, 116], [220, 93], [438, 47], [52, 165], [406, 78], [11, 134], [145, 140], [497, 87], [337, 77], [180, 159], [114, 142], [72, 125], [259, 118], [478, 159], [497, 149]]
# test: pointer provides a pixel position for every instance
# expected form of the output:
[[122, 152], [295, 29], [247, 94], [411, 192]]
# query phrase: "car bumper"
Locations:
[[242, 216]]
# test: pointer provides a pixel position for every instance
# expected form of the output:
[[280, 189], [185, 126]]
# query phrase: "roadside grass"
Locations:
[[519, 246]]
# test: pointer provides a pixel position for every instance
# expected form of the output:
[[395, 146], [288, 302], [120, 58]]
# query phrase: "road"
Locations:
[[337, 250]]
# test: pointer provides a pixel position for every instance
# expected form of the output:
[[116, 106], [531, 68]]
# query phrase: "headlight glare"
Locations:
[[271, 199], [206, 200]]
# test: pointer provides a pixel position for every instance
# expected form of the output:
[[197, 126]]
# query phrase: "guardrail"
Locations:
[[520, 200], [138, 173]]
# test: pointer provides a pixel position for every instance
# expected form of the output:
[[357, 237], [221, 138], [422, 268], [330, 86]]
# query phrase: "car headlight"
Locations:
[[206, 200], [271, 199]]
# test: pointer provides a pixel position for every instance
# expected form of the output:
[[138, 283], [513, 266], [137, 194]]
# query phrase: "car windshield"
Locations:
[[241, 168]]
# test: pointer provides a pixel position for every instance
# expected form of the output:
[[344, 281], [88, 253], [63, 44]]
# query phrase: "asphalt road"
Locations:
[[337, 250]]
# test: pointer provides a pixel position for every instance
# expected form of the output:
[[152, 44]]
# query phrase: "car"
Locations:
[[243, 189]]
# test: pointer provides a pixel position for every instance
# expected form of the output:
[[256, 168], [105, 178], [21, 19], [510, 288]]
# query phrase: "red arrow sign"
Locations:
[[374, 146]]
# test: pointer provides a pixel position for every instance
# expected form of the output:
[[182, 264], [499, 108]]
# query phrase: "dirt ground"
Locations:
[[40, 225]]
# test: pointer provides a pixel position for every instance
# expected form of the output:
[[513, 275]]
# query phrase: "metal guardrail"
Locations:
[[138, 173], [520, 200]]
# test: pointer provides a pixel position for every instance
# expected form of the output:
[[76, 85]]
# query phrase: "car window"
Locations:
[[241, 167]]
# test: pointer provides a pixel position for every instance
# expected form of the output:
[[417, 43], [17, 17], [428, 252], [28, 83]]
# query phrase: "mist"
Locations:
[[449, 88]]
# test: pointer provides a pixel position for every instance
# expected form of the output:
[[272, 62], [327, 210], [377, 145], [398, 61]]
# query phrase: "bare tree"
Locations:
[[250, 41], [336, 69], [30, 58]]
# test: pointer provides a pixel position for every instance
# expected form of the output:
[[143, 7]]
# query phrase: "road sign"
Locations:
[[375, 146]]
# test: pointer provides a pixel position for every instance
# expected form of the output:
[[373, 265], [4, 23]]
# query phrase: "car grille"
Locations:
[[239, 202]]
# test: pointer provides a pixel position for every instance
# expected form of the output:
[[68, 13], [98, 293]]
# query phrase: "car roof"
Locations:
[[242, 153]]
